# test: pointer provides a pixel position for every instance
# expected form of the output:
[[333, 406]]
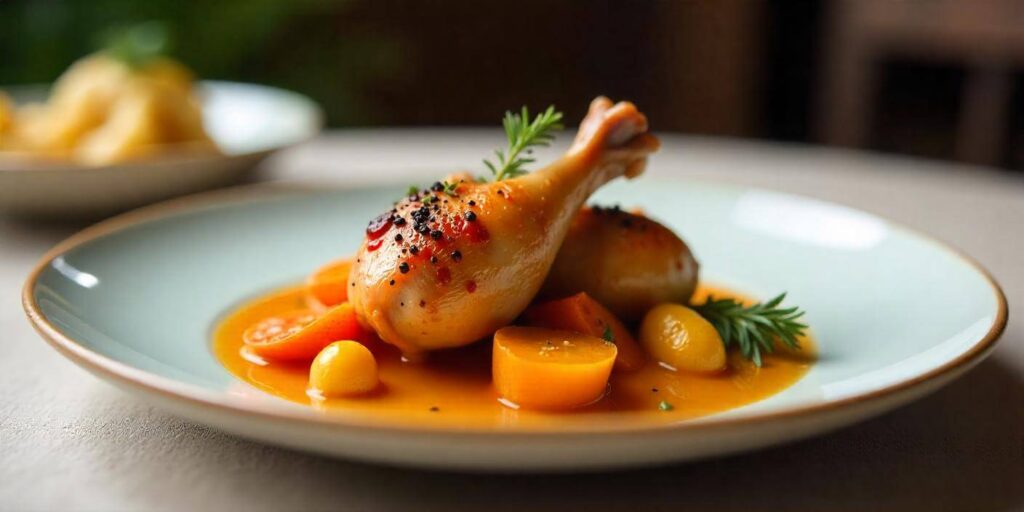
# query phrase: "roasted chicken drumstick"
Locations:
[[447, 266]]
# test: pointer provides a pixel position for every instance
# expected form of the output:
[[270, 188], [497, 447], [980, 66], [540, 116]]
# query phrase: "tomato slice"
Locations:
[[328, 285], [301, 334]]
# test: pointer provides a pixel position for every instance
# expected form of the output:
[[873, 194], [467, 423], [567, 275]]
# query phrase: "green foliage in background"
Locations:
[[303, 45]]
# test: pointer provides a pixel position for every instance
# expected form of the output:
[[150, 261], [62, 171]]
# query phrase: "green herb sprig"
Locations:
[[137, 45], [445, 187], [523, 134], [450, 188], [754, 329], [608, 335]]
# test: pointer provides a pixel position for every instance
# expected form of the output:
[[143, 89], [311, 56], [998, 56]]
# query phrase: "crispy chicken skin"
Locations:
[[443, 270], [626, 261]]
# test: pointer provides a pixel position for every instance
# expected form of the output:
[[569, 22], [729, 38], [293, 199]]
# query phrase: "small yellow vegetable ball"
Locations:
[[679, 337], [343, 368]]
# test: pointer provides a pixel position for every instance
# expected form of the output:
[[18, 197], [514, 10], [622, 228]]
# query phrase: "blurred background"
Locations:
[[934, 78]]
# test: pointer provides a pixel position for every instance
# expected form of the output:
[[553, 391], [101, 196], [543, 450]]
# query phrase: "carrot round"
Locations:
[[328, 285], [302, 334], [537, 368], [582, 314]]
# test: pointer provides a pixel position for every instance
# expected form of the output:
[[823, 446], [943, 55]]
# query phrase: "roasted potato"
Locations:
[[626, 261]]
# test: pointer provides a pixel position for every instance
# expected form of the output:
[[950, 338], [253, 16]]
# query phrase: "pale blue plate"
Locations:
[[895, 313]]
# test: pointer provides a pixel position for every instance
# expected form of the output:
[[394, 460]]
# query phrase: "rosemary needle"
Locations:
[[754, 329]]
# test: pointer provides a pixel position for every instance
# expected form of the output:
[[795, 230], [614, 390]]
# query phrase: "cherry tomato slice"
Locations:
[[301, 334]]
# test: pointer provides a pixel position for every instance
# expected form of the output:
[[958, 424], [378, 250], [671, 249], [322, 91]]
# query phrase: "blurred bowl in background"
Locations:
[[248, 122]]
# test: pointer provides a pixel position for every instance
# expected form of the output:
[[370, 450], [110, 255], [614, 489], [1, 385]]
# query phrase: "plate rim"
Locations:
[[193, 395]]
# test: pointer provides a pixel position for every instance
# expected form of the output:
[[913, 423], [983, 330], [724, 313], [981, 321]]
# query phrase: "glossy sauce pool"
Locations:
[[453, 388]]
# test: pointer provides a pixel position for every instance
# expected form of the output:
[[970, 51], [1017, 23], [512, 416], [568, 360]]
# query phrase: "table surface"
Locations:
[[69, 441]]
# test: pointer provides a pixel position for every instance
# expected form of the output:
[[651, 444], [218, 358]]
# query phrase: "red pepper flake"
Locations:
[[379, 226], [444, 276], [427, 253], [475, 231], [374, 244], [470, 286]]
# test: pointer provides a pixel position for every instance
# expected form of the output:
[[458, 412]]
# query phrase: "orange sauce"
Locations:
[[453, 387]]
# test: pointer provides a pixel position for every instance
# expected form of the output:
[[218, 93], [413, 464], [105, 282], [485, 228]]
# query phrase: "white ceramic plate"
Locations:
[[895, 314], [248, 122]]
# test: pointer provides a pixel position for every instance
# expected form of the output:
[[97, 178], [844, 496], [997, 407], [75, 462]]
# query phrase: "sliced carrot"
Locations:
[[537, 368], [328, 285], [582, 314], [301, 334]]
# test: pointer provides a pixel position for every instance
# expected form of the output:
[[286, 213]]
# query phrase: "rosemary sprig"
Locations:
[[754, 329], [522, 135], [448, 188]]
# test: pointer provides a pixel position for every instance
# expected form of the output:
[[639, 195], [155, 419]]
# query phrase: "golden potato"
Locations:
[[679, 337], [80, 101], [102, 111], [149, 116], [626, 261], [132, 129], [169, 73]]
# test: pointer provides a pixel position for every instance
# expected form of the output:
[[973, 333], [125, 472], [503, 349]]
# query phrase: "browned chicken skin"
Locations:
[[626, 261], [443, 270]]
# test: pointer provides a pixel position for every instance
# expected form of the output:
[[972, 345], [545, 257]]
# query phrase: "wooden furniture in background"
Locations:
[[985, 37], [709, 66]]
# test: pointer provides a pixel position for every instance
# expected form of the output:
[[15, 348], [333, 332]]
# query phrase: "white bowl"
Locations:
[[248, 122]]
